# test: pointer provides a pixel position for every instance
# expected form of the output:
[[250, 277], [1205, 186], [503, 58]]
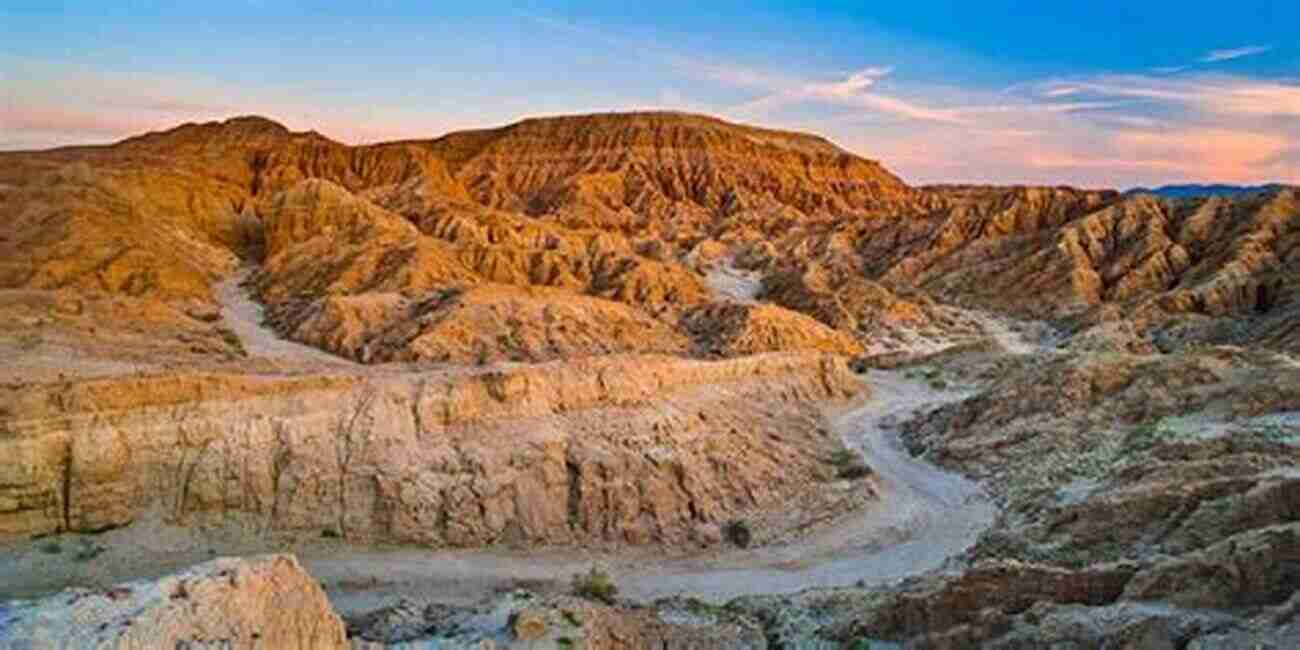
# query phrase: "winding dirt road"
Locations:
[[923, 517]]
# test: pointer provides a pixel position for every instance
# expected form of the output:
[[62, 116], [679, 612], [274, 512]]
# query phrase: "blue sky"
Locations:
[[1098, 94]]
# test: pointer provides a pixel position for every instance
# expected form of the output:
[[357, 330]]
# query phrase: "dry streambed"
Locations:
[[923, 516]]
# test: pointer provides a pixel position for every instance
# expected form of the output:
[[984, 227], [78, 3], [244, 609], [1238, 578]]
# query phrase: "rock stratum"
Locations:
[[620, 330], [620, 449]]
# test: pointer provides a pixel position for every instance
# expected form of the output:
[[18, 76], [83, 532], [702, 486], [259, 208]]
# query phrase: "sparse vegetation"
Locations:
[[595, 585], [51, 548], [738, 532], [232, 341], [89, 550], [855, 471], [849, 465], [843, 457]]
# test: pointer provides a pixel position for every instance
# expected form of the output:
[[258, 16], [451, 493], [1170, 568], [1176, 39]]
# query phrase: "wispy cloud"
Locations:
[[857, 90], [1214, 56], [57, 105], [1161, 125], [1221, 94]]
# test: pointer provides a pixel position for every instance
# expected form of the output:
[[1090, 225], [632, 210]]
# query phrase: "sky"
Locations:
[[1099, 94]]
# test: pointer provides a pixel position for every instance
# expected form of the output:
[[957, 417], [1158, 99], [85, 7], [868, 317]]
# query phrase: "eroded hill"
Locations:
[[629, 329]]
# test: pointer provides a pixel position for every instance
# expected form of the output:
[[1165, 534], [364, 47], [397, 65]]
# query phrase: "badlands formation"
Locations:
[[776, 396]]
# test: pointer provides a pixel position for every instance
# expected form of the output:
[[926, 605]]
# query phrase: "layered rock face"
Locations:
[[631, 170], [261, 602], [615, 449], [1148, 500], [1146, 492]]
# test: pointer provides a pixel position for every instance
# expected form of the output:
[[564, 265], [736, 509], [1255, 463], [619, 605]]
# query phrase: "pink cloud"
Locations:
[[1202, 154]]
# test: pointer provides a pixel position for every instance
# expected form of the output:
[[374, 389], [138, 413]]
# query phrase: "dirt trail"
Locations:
[[243, 316], [1011, 341], [729, 282], [925, 516]]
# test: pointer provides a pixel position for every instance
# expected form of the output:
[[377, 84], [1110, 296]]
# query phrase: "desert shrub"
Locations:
[[89, 550], [232, 341], [51, 548], [843, 457], [739, 533], [595, 585], [850, 465], [855, 471]]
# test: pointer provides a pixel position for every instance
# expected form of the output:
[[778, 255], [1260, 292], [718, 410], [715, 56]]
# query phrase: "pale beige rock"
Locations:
[[260, 602]]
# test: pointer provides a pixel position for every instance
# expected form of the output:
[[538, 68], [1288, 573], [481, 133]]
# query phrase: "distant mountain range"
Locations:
[[1194, 191]]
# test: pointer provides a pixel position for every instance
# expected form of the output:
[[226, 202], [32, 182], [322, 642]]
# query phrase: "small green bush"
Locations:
[[51, 548], [595, 585]]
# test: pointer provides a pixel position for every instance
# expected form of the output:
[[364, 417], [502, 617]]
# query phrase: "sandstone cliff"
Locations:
[[632, 449]]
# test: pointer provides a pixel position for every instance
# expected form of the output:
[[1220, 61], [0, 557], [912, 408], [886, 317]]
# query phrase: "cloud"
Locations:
[[853, 91], [1215, 56], [1194, 154], [1220, 94], [55, 105]]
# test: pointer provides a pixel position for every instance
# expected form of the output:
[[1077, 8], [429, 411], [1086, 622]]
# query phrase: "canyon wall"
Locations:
[[626, 449]]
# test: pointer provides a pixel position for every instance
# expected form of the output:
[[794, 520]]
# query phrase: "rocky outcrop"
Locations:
[[483, 324], [610, 449], [260, 602], [347, 276], [524, 621], [732, 329], [1149, 499], [1261, 566]]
